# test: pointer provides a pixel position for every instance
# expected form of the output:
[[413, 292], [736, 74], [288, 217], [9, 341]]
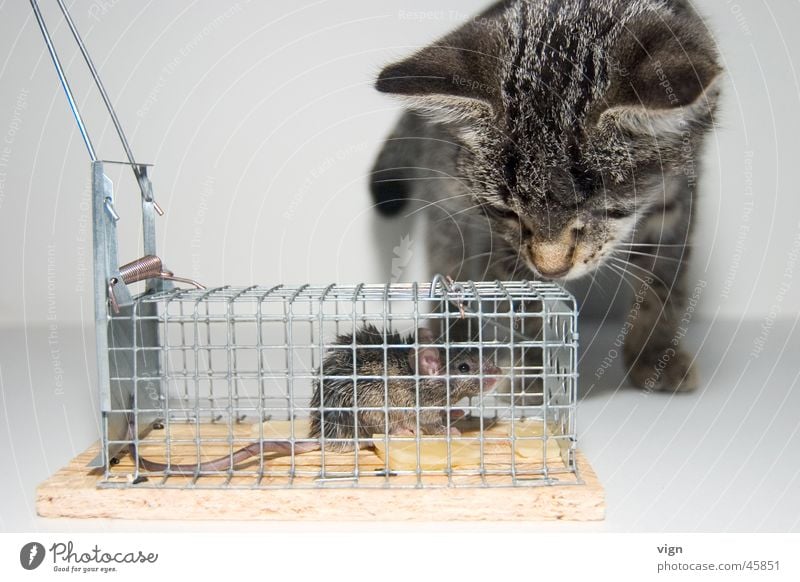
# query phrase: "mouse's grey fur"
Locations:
[[335, 398]]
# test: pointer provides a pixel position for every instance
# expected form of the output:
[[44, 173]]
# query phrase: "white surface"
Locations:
[[262, 123], [723, 459]]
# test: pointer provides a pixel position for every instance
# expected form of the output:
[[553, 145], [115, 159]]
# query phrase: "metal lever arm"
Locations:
[[147, 193]]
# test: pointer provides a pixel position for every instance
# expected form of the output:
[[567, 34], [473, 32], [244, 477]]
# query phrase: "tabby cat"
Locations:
[[545, 138]]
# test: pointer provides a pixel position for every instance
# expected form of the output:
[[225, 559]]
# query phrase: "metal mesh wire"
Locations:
[[211, 372]]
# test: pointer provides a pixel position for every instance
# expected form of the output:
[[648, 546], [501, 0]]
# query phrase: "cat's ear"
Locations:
[[665, 123], [665, 80], [452, 80]]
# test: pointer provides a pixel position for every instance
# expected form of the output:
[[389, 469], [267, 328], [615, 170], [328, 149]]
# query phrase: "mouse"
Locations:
[[335, 419]]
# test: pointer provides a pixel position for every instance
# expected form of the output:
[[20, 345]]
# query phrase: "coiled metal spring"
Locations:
[[147, 267]]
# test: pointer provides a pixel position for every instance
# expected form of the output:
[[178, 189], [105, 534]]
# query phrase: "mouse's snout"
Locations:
[[490, 373], [493, 370]]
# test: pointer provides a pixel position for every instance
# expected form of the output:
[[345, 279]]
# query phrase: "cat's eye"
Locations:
[[501, 213], [463, 368], [615, 213]]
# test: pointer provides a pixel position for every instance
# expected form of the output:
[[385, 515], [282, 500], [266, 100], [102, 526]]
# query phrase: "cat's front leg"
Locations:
[[653, 352], [659, 316]]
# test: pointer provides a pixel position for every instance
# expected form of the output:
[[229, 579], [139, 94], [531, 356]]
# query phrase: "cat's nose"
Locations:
[[553, 274], [552, 260]]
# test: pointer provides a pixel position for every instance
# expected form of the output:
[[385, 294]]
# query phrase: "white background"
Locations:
[[262, 123]]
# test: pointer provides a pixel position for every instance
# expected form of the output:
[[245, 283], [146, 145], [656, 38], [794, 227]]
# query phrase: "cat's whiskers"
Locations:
[[652, 256], [633, 244], [647, 272], [647, 287], [593, 284], [622, 268], [622, 273], [606, 276], [596, 271], [498, 255], [518, 262]]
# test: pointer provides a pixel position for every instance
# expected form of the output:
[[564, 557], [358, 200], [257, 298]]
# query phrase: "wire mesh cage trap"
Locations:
[[309, 386], [440, 384]]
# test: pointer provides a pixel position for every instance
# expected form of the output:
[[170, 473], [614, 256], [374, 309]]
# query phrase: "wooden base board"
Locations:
[[72, 492], [303, 471]]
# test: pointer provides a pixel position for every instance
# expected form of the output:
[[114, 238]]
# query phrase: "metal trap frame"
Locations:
[[191, 374], [204, 373]]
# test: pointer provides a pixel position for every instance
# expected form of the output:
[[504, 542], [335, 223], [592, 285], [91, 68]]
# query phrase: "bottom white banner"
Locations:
[[473, 553]]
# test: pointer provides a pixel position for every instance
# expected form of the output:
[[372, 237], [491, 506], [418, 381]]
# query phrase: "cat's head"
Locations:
[[572, 116]]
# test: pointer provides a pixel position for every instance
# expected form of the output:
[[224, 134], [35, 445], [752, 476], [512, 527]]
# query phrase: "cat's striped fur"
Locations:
[[550, 137]]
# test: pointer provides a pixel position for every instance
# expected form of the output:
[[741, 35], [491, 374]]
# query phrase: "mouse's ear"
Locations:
[[430, 364]]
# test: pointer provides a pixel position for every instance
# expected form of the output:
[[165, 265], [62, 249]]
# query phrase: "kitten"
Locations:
[[549, 137]]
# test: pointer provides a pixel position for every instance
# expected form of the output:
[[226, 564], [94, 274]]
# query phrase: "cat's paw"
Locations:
[[671, 371]]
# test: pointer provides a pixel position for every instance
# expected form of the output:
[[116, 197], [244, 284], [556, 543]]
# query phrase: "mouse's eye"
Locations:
[[463, 368]]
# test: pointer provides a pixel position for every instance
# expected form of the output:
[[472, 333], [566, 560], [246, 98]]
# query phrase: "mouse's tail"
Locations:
[[223, 463]]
